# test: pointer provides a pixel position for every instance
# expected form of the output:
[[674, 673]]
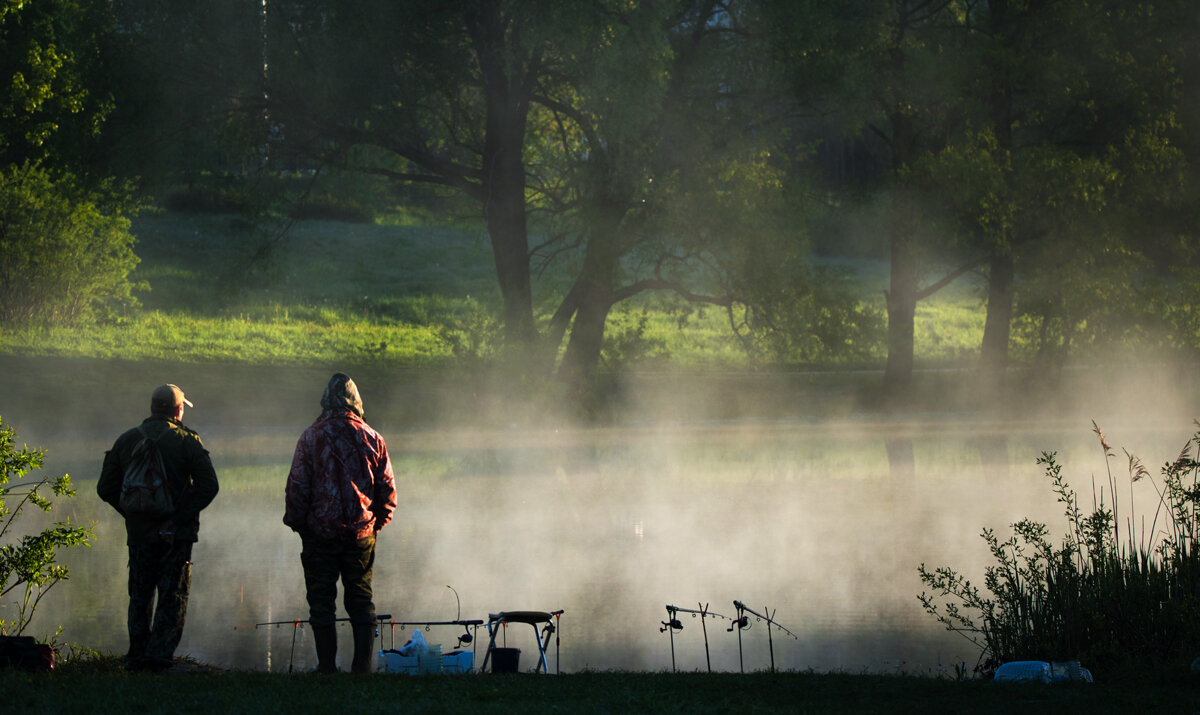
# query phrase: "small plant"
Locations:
[[27, 563], [1105, 595]]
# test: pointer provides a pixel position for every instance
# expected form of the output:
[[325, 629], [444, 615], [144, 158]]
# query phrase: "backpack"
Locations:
[[144, 490], [25, 652]]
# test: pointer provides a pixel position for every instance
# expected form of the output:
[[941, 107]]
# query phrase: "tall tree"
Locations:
[[189, 92], [657, 134], [1065, 100], [592, 114], [438, 93], [885, 68]]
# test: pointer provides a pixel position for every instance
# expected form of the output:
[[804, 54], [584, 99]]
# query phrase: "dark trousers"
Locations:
[[165, 569], [326, 560]]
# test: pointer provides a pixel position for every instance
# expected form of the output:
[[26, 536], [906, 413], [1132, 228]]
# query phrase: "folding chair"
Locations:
[[497, 621]]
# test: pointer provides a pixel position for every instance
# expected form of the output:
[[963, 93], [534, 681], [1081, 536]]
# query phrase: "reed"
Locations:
[[1111, 594]]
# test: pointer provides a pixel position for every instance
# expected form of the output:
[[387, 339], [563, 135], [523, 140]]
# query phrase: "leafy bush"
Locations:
[[61, 255], [798, 313], [206, 199], [1103, 597], [27, 563], [331, 208]]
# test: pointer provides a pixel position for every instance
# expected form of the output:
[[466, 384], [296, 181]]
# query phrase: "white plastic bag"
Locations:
[[1024, 671], [415, 645]]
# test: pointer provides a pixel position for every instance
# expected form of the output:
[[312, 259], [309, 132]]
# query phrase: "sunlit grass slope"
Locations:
[[220, 290]]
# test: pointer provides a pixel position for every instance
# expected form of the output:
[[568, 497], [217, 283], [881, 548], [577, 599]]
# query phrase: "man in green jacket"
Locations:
[[160, 546]]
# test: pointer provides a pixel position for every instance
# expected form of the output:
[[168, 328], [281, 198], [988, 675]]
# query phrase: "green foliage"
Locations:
[[201, 198], [472, 332], [62, 255], [188, 94], [802, 314], [628, 341], [1104, 596], [53, 98], [28, 563]]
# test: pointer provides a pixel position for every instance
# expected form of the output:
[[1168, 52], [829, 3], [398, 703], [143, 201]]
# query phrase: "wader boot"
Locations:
[[325, 638], [364, 644]]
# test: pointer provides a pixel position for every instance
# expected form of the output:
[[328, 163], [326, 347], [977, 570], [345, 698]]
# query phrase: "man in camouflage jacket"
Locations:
[[160, 549], [340, 492]]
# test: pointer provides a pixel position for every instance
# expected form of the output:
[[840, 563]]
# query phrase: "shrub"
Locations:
[[206, 199], [27, 563], [1103, 597], [61, 255], [331, 208]]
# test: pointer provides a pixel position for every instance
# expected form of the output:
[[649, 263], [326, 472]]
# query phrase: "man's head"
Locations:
[[168, 400], [342, 394]]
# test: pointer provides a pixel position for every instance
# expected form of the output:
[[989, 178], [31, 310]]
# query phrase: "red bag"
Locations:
[[25, 652]]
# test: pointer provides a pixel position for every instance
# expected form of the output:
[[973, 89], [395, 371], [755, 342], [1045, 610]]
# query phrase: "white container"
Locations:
[[429, 660], [425, 660], [459, 661], [392, 662]]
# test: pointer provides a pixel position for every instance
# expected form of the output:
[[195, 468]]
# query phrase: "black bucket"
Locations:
[[506, 660]]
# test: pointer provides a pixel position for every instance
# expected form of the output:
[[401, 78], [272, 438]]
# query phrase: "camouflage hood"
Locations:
[[342, 394]]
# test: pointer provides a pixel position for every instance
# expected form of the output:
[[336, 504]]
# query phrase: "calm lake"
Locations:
[[788, 493]]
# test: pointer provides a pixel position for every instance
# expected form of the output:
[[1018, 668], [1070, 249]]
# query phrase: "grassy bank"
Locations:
[[221, 291], [86, 690]]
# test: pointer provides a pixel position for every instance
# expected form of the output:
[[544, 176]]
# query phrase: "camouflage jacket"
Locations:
[[190, 476], [341, 483]]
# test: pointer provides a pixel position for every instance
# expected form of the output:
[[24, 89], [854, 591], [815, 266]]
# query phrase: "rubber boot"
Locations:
[[364, 645], [325, 638]]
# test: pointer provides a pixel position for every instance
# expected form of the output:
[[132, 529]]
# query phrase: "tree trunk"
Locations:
[[503, 165], [593, 301], [510, 251], [587, 334], [997, 326], [901, 312], [905, 273]]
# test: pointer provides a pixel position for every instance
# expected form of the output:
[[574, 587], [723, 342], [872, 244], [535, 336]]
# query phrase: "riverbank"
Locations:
[[100, 690]]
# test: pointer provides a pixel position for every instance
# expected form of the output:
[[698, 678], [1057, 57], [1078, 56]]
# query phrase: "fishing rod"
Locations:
[[295, 623], [672, 624], [466, 637], [742, 622]]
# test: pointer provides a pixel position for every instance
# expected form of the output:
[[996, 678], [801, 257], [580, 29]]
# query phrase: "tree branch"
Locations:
[[949, 278], [662, 284]]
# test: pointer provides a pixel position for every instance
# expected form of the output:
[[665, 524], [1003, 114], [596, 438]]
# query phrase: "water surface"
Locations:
[[786, 493]]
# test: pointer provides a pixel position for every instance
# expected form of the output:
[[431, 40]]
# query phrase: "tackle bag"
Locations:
[[25, 652], [144, 490]]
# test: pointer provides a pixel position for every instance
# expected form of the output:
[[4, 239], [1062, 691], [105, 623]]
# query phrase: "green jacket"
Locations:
[[190, 476]]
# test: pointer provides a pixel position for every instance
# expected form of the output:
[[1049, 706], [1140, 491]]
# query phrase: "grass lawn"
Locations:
[[107, 690], [222, 291]]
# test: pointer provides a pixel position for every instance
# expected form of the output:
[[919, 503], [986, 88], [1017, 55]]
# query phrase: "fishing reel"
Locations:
[[673, 624], [465, 638], [740, 623]]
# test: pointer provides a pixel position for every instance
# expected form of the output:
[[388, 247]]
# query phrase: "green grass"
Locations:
[[108, 690], [223, 291]]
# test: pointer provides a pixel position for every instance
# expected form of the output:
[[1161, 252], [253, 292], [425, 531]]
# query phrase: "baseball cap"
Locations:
[[168, 397]]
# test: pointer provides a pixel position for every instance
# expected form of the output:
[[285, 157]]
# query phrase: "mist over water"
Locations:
[[788, 493]]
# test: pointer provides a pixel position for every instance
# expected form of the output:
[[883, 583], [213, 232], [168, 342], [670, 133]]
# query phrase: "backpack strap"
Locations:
[[152, 439]]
